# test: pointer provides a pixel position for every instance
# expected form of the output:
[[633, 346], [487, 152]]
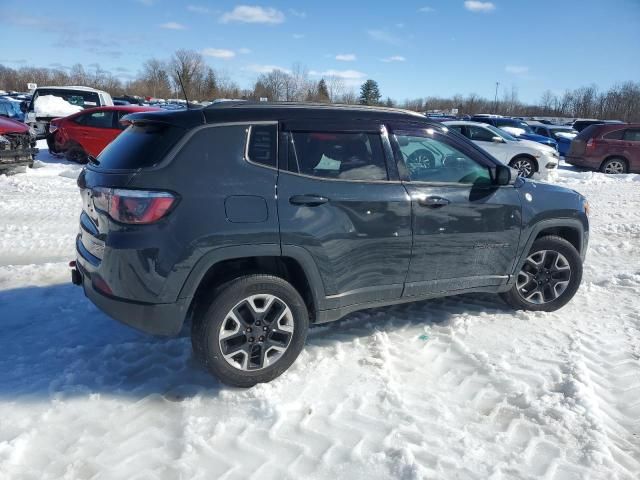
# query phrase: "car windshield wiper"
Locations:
[[93, 160]]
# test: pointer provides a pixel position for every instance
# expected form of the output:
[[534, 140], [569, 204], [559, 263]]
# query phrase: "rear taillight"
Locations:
[[133, 206], [53, 127], [591, 144]]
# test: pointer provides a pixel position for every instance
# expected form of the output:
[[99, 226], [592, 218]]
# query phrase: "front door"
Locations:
[[337, 200], [466, 230]]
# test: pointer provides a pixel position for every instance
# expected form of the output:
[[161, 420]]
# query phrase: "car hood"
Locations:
[[11, 126], [537, 138], [537, 146]]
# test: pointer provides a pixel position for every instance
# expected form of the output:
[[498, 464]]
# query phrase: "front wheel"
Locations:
[[549, 277], [252, 331], [526, 167]]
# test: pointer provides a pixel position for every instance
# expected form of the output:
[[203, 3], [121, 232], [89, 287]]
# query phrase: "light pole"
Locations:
[[495, 101]]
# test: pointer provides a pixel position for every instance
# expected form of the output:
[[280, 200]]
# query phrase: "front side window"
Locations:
[[431, 160], [615, 135], [480, 134], [262, 147], [343, 156]]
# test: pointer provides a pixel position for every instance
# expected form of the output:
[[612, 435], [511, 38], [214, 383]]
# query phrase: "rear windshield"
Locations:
[[78, 98], [139, 146], [589, 132]]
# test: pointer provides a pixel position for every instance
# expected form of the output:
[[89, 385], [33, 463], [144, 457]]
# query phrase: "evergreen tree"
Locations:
[[389, 102], [323, 91], [210, 85], [370, 93]]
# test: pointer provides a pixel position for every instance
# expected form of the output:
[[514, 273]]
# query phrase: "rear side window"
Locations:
[[632, 135], [262, 147], [343, 156], [96, 120], [615, 135], [588, 132], [141, 145]]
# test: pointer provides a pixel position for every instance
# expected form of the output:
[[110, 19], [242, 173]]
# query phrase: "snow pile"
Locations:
[[460, 387], [52, 106]]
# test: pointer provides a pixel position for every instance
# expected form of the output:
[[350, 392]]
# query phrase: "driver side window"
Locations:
[[431, 160]]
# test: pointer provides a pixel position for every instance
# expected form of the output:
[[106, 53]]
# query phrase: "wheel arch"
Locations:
[[225, 264], [615, 156]]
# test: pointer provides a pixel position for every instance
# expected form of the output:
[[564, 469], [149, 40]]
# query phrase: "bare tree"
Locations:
[[189, 66]]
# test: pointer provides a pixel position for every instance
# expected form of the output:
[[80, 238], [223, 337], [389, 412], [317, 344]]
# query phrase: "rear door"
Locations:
[[97, 131], [465, 229], [340, 201]]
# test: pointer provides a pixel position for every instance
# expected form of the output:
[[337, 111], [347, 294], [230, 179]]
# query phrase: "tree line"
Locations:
[[160, 78]]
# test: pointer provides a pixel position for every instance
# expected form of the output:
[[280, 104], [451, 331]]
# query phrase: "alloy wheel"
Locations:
[[256, 332], [614, 167], [544, 277], [524, 167]]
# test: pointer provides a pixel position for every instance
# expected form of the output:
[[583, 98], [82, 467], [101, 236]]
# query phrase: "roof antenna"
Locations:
[[184, 92]]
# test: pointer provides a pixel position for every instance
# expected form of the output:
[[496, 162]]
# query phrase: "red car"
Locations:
[[610, 148], [89, 131], [17, 144]]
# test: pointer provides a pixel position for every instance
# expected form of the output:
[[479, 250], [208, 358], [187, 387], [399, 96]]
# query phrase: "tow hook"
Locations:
[[76, 278]]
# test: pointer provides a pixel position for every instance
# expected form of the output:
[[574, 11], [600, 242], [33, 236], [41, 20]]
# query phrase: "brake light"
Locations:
[[133, 206], [591, 144]]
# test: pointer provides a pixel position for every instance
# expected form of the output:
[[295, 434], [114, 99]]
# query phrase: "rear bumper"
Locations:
[[163, 319], [584, 162]]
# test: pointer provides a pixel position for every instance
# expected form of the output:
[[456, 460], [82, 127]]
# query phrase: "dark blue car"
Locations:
[[562, 134], [516, 127]]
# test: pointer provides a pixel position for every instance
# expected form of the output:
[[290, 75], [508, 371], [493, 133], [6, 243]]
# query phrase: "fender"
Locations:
[[572, 223], [218, 255]]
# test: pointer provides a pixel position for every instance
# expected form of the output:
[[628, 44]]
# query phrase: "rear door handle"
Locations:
[[433, 202], [308, 200]]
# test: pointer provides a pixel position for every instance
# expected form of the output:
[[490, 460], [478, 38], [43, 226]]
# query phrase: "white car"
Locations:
[[531, 159]]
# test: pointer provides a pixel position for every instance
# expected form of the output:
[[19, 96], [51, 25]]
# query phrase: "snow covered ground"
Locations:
[[456, 388]]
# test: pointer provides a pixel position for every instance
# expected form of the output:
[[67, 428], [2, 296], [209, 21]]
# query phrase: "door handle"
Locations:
[[433, 202], [308, 200]]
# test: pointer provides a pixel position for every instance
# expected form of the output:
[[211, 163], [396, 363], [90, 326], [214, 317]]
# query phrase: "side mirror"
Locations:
[[497, 139], [505, 175]]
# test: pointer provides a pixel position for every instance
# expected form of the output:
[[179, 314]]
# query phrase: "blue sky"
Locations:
[[412, 48]]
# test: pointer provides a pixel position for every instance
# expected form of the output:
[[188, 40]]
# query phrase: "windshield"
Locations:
[[76, 100], [508, 122], [502, 133]]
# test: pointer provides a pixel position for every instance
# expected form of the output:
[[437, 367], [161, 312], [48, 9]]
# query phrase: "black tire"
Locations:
[[51, 143], [551, 243], [613, 166], [208, 323], [75, 153], [526, 166]]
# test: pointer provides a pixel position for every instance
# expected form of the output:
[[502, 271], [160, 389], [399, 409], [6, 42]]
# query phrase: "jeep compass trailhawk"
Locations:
[[256, 220]]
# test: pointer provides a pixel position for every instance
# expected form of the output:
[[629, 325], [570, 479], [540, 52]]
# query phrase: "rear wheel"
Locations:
[[614, 166], [252, 331], [549, 277], [75, 153], [526, 166]]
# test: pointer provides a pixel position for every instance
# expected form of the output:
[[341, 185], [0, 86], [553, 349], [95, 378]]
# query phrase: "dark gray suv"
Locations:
[[256, 220]]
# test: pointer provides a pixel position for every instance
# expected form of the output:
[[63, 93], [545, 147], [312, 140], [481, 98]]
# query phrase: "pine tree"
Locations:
[[323, 91], [210, 85], [370, 93], [389, 102]]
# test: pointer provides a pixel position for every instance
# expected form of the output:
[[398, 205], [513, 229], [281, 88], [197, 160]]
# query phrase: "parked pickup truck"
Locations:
[[17, 144]]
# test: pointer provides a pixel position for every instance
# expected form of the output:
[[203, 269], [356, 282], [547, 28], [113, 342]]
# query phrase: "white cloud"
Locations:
[[346, 57], [298, 36], [172, 26], [383, 36], [244, 51], [297, 13], [219, 53], [395, 58], [198, 9], [253, 14], [516, 69], [266, 68], [477, 6], [427, 9]]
